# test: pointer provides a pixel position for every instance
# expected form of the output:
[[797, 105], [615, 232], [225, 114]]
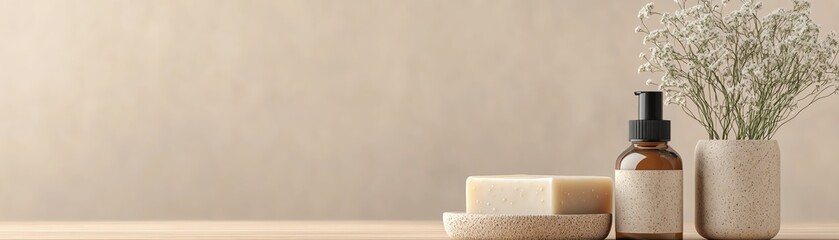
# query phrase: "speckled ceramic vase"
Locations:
[[738, 189]]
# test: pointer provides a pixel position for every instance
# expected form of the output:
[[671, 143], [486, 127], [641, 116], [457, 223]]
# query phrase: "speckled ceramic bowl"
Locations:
[[461, 225]]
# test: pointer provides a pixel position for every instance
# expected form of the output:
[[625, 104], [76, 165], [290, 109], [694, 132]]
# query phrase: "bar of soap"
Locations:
[[538, 194]]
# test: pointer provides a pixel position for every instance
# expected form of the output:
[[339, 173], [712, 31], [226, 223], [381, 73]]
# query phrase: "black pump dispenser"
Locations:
[[650, 126]]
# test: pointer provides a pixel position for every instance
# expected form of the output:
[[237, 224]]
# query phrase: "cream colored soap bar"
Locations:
[[538, 194]]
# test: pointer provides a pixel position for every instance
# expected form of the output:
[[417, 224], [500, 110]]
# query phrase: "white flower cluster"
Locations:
[[729, 69], [645, 11]]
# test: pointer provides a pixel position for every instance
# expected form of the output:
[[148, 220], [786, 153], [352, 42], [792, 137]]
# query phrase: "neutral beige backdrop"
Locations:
[[358, 109]]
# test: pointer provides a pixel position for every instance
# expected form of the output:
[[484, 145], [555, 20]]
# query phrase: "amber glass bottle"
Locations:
[[648, 178]]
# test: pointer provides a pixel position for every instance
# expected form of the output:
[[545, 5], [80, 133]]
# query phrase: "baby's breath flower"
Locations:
[[645, 11], [758, 67], [646, 67]]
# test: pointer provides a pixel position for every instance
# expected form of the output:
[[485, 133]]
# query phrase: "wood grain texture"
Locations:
[[247, 230]]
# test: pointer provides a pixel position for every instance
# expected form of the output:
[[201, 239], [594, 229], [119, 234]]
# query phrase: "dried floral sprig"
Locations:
[[737, 74]]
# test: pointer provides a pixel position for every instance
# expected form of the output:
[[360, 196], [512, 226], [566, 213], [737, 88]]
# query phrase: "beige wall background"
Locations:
[[361, 109]]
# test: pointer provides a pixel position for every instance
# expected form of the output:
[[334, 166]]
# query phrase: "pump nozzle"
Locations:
[[650, 126], [649, 105]]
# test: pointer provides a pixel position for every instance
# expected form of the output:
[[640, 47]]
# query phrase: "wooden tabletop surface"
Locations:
[[290, 230]]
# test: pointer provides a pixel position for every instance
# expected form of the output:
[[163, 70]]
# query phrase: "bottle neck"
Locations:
[[650, 144]]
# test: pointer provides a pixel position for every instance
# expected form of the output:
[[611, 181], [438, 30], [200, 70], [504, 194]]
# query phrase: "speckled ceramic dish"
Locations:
[[461, 225]]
